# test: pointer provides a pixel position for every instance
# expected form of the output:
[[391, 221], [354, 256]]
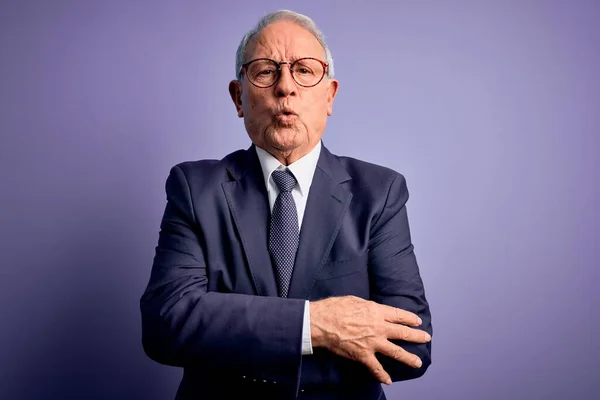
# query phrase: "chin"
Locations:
[[286, 138]]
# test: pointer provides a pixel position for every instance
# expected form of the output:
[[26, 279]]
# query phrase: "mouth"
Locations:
[[285, 110], [285, 114]]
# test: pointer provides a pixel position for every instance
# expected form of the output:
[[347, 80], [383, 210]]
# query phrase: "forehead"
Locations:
[[284, 40]]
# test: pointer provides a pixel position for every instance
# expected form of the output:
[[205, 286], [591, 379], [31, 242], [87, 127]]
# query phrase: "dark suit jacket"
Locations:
[[211, 304]]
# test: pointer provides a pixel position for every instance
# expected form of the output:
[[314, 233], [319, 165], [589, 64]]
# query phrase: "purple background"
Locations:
[[490, 110]]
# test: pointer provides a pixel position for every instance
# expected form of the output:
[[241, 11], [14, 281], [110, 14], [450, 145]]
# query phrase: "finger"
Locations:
[[405, 333], [399, 354], [376, 369], [398, 315]]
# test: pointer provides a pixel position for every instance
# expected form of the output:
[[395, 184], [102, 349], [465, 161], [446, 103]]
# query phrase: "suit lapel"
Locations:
[[326, 206], [249, 206]]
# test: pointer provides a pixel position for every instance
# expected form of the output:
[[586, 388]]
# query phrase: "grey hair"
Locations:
[[282, 15]]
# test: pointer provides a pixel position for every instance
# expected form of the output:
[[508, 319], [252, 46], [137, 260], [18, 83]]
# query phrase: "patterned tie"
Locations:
[[284, 235]]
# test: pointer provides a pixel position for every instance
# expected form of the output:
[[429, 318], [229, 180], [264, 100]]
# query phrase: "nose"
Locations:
[[285, 86]]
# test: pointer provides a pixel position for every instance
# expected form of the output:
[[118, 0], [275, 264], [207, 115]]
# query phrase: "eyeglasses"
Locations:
[[264, 72]]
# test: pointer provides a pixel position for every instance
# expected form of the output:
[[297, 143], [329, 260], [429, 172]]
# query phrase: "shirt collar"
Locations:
[[303, 168]]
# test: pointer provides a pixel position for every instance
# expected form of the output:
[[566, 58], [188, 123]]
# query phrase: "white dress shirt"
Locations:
[[303, 170]]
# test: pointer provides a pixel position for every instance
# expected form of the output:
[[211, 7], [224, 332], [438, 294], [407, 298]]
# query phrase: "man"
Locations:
[[284, 271]]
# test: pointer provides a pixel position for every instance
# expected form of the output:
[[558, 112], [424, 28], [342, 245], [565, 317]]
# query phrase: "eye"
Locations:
[[305, 67], [266, 72]]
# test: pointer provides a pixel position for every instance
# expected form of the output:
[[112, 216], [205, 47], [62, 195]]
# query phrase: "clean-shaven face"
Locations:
[[286, 119]]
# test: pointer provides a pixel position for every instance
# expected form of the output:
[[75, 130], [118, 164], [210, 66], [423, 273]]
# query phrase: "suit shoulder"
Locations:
[[197, 167], [206, 167], [375, 184], [368, 173]]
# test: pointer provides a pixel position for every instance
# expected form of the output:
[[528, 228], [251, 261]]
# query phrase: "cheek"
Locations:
[[316, 106], [254, 103]]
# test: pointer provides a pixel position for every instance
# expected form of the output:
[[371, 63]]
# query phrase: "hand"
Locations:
[[356, 328]]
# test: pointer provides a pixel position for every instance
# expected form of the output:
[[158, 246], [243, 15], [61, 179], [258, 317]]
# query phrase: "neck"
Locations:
[[287, 157]]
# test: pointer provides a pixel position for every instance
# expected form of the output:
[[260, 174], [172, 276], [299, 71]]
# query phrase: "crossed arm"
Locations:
[[377, 333]]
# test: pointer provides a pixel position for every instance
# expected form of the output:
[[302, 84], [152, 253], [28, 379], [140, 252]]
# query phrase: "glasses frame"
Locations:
[[244, 69]]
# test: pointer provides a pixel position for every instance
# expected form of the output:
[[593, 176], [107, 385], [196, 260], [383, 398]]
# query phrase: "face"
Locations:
[[286, 119]]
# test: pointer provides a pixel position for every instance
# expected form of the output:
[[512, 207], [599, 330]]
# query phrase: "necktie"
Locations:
[[284, 234]]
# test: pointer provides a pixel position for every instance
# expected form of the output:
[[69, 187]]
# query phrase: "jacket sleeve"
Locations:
[[395, 277], [185, 325]]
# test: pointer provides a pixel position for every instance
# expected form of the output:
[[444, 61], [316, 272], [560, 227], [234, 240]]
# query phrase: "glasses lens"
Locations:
[[262, 72], [308, 72]]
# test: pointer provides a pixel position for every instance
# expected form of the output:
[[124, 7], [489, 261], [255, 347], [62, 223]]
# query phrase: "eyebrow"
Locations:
[[292, 59]]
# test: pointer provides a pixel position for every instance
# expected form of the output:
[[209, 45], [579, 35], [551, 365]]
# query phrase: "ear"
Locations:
[[235, 91], [332, 90]]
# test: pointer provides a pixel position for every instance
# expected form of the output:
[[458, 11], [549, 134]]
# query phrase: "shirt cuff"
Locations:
[[306, 340]]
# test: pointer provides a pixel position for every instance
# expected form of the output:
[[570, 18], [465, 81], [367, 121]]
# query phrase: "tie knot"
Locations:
[[284, 180]]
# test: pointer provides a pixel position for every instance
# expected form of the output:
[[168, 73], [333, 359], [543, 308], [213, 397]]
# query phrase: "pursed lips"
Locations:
[[285, 111], [285, 114]]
